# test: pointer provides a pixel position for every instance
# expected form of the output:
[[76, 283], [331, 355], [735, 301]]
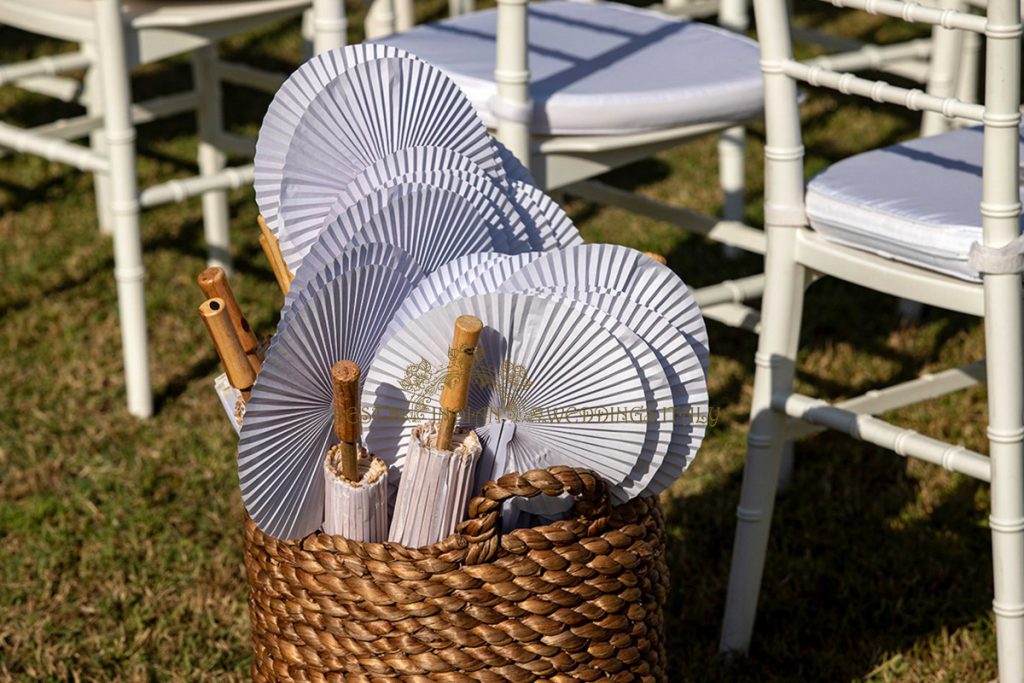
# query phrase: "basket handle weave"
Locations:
[[481, 528]]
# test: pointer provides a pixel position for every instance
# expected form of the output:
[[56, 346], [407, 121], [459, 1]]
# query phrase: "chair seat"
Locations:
[[916, 202], [72, 19], [602, 68]]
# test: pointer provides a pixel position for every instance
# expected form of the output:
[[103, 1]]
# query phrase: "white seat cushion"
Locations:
[[916, 202], [602, 68]]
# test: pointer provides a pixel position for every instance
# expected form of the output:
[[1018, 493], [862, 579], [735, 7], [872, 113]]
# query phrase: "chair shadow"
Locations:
[[848, 579]]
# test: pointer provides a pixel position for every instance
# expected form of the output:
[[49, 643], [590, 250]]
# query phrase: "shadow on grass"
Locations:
[[848, 577]]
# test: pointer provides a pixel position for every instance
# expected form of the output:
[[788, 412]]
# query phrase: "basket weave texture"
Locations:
[[579, 599]]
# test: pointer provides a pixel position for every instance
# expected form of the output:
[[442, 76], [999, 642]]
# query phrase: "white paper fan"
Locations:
[[367, 113], [288, 422], [565, 381], [433, 225], [372, 254], [683, 417], [514, 169], [686, 414], [438, 288], [289, 104], [405, 165], [456, 279], [548, 226], [620, 269], [488, 201]]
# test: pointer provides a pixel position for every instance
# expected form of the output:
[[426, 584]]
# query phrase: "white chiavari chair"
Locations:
[[114, 37], [575, 89], [935, 220]]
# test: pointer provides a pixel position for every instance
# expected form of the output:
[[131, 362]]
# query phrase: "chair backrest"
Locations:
[[1000, 113]]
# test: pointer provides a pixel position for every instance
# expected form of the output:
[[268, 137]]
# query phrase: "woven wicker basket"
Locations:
[[575, 600]]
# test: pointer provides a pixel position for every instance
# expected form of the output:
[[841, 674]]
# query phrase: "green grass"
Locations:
[[121, 542]]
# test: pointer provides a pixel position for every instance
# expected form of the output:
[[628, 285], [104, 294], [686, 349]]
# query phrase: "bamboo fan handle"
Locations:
[[214, 283], [272, 249], [456, 382], [347, 416], [241, 375]]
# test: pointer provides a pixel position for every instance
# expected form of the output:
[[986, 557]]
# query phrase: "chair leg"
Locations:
[[731, 162], [734, 15], [210, 115], [1003, 334], [330, 27], [124, 203], [774, 361], [98, 142], [380, 19]]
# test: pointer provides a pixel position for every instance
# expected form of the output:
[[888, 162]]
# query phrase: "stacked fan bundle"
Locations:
[[398, 213]]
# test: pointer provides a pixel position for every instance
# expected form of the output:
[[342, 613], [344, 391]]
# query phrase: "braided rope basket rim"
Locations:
[[578, 599]]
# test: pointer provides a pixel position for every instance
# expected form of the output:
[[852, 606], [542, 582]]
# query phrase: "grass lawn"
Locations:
[[121, 540]]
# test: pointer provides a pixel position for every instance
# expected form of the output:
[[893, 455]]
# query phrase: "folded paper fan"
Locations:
[[357, 256], [433, 225], [435, 289], [414, 164], [513, 167], [287, 109], [456, 280], [686, 414], [313, 211], [367, 113], [617, 268], [413, 202], [288, 420], [564, 387], [548, 226]]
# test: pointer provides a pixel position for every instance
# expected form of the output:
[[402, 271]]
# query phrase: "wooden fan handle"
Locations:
[[214, 283], [347, 415], [456, 382], [272, 249], [241, 375]]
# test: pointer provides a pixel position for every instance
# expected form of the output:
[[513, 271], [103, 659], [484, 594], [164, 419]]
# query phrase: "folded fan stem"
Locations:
[[347, 417], [456, 383], [239, 370], [214, 284]]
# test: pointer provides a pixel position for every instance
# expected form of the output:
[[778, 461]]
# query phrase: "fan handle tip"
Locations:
[[456, 383], [347, 415], [214, 283], [217, 319], [654, 256], [272, 250]]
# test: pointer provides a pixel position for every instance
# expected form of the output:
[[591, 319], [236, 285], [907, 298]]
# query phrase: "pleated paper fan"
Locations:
[[369, 112], [286, 110], [433, 225], [312, 212], [563, 379], [488, 199], [514, 169], [684, 415], [408, 165], [288, 420], [620, 269], [439, 287], [687, 412], [548, 225], [373, 254], [456, 279]]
